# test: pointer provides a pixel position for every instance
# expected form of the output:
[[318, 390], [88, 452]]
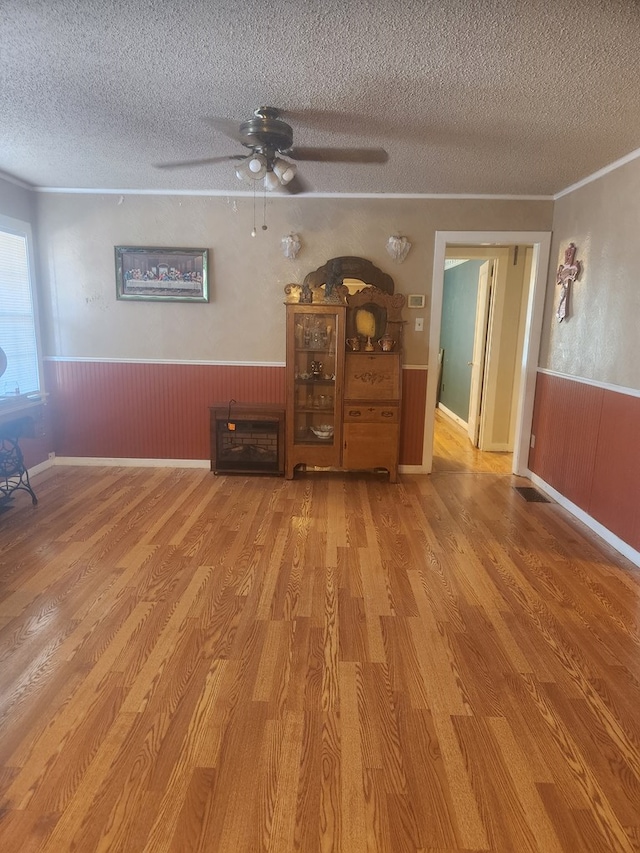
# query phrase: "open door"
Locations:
[[479, 351]]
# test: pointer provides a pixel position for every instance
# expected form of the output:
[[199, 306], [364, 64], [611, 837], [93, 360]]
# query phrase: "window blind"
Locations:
[[18, 337]]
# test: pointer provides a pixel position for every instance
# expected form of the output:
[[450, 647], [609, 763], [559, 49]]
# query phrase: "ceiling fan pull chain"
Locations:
[[253, 232], [264, 210]]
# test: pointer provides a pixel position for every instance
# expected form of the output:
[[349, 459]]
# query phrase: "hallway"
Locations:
[[453, 452]]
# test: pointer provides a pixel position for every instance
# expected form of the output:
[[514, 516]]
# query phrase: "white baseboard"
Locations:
[[604, 533], [42, 466], [412, 469], [453, 416], [132, 463]]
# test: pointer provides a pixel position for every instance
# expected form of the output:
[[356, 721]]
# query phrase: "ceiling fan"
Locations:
[[270, 143]]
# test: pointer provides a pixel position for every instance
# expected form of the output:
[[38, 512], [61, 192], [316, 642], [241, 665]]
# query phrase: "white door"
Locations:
[[479, 350]]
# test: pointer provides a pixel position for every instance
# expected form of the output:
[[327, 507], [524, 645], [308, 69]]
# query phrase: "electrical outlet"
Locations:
[[419, 324]]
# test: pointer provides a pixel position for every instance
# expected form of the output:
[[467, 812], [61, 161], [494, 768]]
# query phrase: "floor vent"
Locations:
[[531, 495]]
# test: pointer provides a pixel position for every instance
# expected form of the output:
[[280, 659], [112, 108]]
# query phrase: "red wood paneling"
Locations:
[[615, 497], [153, 411], [414, 394], [588, 448], [161, 411], [566, 421], [37, 450]]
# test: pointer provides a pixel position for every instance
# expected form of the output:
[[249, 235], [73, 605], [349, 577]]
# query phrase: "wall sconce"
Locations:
[[291, 246], [398, 248]]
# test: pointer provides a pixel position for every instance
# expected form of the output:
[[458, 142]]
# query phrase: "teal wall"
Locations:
[[459, 300]]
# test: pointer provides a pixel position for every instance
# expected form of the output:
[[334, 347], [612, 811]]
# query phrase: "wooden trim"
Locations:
[[608, 386]]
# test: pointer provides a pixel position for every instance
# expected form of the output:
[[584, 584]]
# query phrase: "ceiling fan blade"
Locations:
[[228, 127], [206, 161], [339, 155]]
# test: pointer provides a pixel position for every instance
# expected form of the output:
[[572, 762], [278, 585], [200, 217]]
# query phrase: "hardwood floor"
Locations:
[[200, 663], [452, 451]]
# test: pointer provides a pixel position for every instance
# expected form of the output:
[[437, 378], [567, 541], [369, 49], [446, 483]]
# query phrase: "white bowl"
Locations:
[[322, 430]]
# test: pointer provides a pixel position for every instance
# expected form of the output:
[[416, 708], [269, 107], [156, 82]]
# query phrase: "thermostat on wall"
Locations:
[[415, 300]]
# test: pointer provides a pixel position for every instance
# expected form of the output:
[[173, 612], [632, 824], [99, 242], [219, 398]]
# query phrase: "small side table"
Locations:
[[13, 474]]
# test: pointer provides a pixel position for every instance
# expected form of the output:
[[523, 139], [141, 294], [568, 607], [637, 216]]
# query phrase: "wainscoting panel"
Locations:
[[587, 448], [152, 411], [414, 394], [615, 498], [566, 421], [161, 411]]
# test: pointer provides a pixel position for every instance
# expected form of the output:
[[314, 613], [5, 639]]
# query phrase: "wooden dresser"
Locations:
[[371, 411]]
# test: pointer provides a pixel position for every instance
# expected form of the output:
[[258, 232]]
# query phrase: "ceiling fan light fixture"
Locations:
[[258, 166], [271, 181], [252, 168], [285, 171]]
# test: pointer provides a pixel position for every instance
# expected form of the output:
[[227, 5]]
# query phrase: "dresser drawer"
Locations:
[[372, 377], [355, 413]]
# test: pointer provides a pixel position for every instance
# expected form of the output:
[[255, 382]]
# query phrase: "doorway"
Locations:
[[482, 324], [486, 243], [457, 334]]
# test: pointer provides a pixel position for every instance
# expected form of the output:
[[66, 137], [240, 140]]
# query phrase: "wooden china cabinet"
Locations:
[[315, 366], [344, 380]]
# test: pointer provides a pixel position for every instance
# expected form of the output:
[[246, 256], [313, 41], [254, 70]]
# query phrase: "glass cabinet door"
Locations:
[[314, 377]]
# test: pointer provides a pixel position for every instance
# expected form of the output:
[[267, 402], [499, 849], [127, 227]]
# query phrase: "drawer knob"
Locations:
[[387, 414], [355, 413]]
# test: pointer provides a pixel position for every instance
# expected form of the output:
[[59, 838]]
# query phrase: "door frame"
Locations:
[[478, 357], [541, 242]]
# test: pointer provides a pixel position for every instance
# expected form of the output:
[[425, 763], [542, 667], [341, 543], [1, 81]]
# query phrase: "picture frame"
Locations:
[[162, 274], [415, 300]]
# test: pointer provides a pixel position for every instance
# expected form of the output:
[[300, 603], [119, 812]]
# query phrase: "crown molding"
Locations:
[[628, 158]]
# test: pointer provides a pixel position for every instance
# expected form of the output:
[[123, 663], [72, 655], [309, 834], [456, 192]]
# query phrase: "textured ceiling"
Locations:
[[517, 97]]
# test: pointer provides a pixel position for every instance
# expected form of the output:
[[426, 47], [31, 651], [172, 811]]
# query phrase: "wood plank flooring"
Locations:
[[452, 451], [333, 663]]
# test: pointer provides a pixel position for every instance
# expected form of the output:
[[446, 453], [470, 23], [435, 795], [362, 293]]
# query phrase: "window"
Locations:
[[18, 313]]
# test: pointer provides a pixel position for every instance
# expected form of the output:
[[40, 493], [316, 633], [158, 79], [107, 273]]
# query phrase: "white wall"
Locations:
[[244, 320], [598, 340]]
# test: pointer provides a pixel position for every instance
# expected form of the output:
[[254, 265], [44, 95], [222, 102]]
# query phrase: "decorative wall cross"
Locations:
[[568, 272]]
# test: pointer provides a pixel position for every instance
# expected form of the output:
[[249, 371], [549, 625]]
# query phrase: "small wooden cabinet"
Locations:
[[371, 413], [354, 396]]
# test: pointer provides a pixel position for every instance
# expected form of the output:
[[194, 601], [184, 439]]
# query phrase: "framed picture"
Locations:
[[158, 274], [415, 300]]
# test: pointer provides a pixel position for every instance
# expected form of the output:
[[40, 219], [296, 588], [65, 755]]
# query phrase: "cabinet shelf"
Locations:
[[311, 439], [315, 350]]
